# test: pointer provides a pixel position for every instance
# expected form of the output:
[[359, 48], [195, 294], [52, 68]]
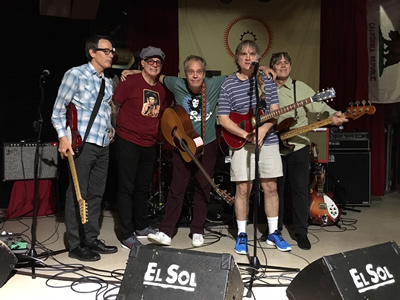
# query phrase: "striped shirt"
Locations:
[[238, 96], [81, 85]]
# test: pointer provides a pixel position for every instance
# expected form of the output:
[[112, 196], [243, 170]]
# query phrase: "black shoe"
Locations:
[[84, 254], [100, 247], [303, 242]]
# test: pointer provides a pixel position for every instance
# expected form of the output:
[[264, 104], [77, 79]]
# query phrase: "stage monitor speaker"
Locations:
[[320, 137], [366, 273], [349, 177], [7, 262], [168, 273], [19, 161]]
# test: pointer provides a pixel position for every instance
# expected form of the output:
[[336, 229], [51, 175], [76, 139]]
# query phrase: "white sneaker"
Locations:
[[197, 240], [159, 238]]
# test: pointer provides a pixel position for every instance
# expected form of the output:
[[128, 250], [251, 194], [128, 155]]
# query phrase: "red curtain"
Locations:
[[344, 66], [155, 23]]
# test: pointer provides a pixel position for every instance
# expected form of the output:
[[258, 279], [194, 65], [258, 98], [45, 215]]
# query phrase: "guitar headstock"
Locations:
[[83, 210], [324, 95], [356, 110], [225, 196]]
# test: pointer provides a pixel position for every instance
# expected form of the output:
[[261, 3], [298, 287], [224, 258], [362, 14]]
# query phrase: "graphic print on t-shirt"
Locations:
[[151, 103], [193, 107]]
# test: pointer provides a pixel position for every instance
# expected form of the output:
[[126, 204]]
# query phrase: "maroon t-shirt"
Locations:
[[141, 108]]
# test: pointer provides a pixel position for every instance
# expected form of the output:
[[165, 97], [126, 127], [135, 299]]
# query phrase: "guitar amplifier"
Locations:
[[349, 141], [19, 161]]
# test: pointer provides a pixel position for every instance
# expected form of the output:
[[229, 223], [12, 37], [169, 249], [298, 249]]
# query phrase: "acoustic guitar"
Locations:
[[76, 142], [248, 121], [352, 112], [177, 129], [323, 210]]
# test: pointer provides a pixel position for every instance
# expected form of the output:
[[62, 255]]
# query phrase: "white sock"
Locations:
[[272, 224], [241, 226]]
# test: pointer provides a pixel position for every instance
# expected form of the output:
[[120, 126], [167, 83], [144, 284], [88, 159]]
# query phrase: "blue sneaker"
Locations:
[[277, 240], [241, 244]]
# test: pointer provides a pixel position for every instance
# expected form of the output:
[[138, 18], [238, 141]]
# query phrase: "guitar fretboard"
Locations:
[[280, 111]]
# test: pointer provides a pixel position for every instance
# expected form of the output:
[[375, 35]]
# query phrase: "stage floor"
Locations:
[[64, 277]]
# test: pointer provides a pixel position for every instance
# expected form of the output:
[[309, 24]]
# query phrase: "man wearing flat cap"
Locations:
[[136, 138]]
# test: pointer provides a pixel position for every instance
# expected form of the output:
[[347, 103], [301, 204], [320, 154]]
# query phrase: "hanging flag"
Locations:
[[383, 19], [213, 29]]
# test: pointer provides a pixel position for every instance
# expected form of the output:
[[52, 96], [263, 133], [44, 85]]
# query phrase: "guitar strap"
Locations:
[[95, 111], [203, 112], [294, 97], [261, 88]]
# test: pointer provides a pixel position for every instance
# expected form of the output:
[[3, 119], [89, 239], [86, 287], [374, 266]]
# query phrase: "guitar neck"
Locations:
[[71, 162], [187, 150], [81, 202], [220, 192], [285, 109], [306, 128]]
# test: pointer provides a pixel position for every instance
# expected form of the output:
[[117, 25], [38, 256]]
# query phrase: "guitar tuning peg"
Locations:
[[351, 103], [363, 102], [357, 102]]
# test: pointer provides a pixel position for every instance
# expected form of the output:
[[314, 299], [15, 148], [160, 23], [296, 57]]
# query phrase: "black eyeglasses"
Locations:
[[154, 62], [106, 51]]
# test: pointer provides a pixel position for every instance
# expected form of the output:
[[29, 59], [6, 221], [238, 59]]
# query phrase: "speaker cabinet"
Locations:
[[168, 273], [349, 177], [7, 262], [366, 273], [19, 161]]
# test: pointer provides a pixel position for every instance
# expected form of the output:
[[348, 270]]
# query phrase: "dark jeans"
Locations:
[[135, 173], [296, 176], [181, 174], [91, 168]]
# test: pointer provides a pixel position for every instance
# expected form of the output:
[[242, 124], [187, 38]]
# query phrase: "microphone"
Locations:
[[45, 73], [254, 63]]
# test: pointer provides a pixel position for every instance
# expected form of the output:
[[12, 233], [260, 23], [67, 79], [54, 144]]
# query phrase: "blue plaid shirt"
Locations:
[[81, 85]]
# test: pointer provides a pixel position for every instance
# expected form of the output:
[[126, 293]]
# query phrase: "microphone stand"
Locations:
[[38, 125], [254, 261]]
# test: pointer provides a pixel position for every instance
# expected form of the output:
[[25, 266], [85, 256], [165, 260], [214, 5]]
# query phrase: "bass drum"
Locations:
[[219, 211]]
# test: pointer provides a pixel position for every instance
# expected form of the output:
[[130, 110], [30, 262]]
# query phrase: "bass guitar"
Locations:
[[76, 142], [177, 129], [352, 112], [323, 210], [248, 121]]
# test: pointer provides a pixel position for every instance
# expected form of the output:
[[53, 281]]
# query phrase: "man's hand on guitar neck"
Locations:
[[64, 146], [339, 118]]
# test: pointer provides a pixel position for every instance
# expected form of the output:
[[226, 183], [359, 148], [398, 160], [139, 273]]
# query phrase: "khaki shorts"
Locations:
[[243, 162]]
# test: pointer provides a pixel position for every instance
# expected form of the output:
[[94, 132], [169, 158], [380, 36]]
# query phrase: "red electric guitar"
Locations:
[[323, 210], [76, 142], [248, 121]]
